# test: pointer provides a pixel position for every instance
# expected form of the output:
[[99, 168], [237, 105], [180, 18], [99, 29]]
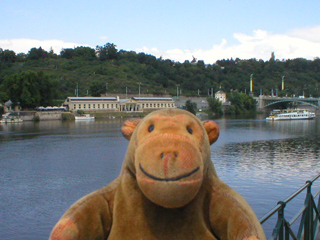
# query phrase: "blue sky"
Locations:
[[177, 29]]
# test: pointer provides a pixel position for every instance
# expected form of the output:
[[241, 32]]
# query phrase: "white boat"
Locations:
[[10, 118], [84, 117], [290, 114]]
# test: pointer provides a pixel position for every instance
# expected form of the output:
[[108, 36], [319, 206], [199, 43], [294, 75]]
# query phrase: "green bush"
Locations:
[[36, 118]]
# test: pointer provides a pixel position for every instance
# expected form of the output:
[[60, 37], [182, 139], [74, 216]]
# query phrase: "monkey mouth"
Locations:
[[168, 179]]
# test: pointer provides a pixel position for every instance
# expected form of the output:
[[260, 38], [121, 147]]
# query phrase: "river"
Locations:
[[47, 166]]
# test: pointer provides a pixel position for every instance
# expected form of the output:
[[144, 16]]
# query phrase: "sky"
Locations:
[[179, 30]]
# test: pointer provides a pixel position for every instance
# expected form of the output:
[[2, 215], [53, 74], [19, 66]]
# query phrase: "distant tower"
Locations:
[[282, 88], [251, 86]]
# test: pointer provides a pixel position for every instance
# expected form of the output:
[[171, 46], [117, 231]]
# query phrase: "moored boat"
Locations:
[[10, 118], [290, 114], [84, 117]]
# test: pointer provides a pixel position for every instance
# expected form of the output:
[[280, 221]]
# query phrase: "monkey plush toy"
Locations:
[[167, 189]]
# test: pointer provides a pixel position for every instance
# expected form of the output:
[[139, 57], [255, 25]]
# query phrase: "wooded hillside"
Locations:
[[107, 69]]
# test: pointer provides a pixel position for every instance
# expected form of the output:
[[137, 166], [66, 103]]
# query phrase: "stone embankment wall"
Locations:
[[49, 115], [43, 116]]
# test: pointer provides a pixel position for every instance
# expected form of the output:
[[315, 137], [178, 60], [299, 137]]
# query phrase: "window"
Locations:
[[79, 106], [98, 105], [94, 106], [84, 105], [89, 105]]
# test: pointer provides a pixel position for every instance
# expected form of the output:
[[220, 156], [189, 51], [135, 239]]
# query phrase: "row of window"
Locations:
[[107, 105], [154, 105], [94, 105]]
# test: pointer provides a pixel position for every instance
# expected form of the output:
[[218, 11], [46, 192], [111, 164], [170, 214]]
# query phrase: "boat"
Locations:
[[290, 114], [84, 117], [10, 118]]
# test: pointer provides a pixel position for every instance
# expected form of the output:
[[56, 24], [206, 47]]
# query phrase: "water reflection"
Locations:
[[46, 166], [267, 161]]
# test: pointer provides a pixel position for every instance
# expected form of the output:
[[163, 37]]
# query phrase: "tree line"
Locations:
[[39, 76]]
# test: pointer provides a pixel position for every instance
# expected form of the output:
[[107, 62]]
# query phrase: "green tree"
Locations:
[[231, 110], [67, 53], [215, 106], [36, 53], [85, 52], [97, 88], [108, 51], [3, 96], [191, 107], [30, 89], [7, 56], [242, 103]]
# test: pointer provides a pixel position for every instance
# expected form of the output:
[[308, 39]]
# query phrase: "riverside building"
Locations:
[[115, 104]]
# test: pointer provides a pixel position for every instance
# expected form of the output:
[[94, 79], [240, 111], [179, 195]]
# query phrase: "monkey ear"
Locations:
[[129, 126], [212, 130]]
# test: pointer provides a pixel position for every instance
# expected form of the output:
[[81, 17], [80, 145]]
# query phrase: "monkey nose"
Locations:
[[167, 155]]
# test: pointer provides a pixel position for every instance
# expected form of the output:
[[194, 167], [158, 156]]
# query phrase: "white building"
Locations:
[[221, 95], [115, 104]]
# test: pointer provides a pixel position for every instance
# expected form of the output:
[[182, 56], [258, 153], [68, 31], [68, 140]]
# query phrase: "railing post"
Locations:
[[308, 224], [279, 229]]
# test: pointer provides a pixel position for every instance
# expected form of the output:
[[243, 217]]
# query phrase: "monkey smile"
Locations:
[[168, 179]]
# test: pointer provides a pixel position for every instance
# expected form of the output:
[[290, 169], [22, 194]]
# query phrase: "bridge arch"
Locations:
[[266, 102]]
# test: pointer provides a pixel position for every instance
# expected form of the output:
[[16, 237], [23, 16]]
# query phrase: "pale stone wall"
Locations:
[[28, 116], [49, 115]]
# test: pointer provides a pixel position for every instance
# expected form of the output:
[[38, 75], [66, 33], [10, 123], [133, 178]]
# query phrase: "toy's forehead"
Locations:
[[180, 118]]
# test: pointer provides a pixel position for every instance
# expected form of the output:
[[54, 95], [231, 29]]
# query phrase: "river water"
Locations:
[[47, 166]]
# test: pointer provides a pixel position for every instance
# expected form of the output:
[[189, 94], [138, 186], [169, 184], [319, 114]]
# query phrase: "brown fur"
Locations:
[[168, 189]]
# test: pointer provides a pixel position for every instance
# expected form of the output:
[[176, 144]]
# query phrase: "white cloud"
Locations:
[[104, 38], [304, 43], [24, 44], [309, 33]]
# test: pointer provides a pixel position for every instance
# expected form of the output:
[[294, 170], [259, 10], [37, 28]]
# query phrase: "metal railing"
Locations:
[[308, 214]]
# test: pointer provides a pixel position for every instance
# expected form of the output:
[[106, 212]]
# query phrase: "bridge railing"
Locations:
[[308, 215]]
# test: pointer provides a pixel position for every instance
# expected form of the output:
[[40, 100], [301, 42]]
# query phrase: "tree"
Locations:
[[67, 53], [85, 52], [30, 89], [242, 103], [36, 53], [215, 106], [97, 88], [7, 56], [191, 107], [108, 51], [3, 96]]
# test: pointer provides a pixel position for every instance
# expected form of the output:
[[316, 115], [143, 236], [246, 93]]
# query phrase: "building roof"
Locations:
[[220, 91], [8, 103], [92, 99], [149, 99], [117, 99]]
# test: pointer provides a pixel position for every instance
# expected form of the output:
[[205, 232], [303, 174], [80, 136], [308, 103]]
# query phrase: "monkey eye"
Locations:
[[151, 128], [189, 129]]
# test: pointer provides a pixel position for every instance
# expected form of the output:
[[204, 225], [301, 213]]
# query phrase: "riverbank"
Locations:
[[58, 115]]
